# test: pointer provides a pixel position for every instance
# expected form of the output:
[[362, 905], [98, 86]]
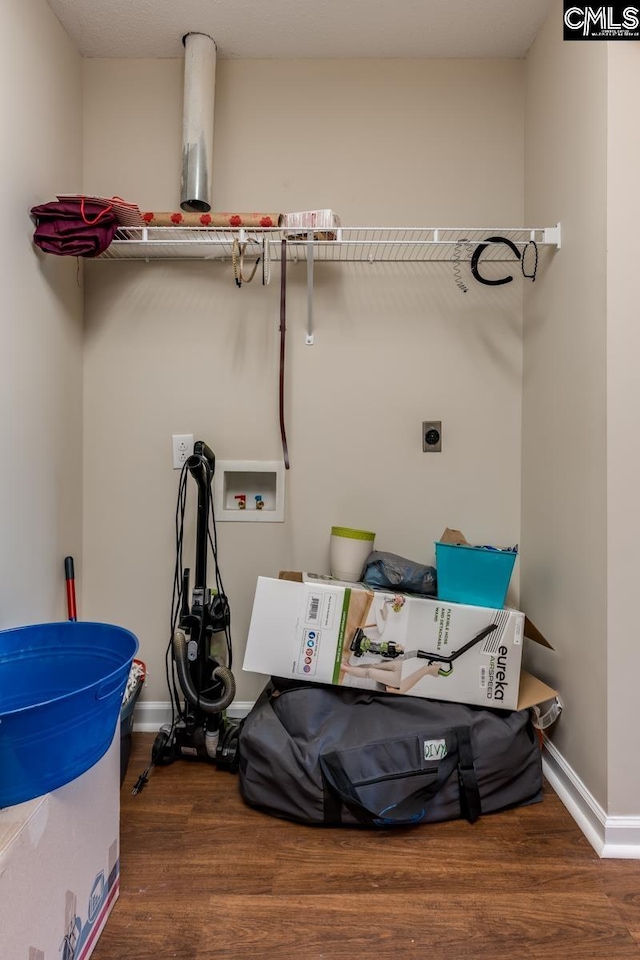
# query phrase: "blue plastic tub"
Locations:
[[475, 575], [61, 689]]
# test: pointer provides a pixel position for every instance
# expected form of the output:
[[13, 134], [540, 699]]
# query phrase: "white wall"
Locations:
[[177, 348], [564, 537], [40, 320], [623, 437]]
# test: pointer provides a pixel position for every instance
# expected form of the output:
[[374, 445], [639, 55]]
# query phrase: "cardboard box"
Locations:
[[327, 632], [59, 866], [324, 224]]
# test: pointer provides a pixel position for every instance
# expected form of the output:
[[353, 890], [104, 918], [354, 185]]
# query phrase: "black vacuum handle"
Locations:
[[438, 658], [201, 449], [201, 465]]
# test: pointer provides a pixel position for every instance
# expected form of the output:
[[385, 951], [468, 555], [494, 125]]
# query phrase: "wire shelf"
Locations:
[[346, 244]]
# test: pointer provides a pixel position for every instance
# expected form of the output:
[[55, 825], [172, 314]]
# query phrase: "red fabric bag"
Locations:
[[74, 228]]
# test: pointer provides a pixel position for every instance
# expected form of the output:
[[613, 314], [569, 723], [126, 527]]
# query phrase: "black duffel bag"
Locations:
[[326, 755]]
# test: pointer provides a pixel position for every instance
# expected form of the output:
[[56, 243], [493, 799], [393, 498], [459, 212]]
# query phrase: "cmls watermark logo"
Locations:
[[618, 21]]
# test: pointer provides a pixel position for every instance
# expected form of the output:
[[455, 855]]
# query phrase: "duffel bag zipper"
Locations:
[[397, 776]]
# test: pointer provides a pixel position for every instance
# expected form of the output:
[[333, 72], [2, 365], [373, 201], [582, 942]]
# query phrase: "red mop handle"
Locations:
[[71, 588]]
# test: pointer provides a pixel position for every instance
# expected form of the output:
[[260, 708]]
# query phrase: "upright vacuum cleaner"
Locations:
[[201, 684]]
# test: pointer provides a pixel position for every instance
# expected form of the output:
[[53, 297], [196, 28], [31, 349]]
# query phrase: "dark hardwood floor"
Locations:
[[203, 877]]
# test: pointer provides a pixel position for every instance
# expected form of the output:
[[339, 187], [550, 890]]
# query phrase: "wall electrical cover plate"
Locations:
[[249, 491], [432, 436], [182, 444]]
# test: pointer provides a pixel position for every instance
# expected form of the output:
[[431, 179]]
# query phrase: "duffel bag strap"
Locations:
[[470, 806], [407, 812]]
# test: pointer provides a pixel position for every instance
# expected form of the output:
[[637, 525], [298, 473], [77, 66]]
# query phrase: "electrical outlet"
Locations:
[[182, 449], [432, 436]]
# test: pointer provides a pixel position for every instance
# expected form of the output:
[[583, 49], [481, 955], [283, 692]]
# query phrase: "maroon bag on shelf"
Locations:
[[74, 228]]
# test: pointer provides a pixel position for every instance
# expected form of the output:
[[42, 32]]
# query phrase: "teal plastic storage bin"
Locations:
[[473, 575]]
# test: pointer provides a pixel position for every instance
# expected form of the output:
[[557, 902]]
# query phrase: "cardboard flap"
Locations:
[[531, 632], [455, 537], [533, 691], [290, 575]]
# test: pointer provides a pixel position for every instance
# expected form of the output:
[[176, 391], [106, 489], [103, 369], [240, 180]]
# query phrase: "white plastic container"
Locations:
[[348, 552]]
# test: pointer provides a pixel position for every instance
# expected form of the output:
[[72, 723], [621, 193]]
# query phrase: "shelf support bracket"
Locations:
[[553, 235], [309, 336]]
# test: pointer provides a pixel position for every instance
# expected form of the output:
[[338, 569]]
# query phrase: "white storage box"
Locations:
[[324, 223], [326, 632], [59, 866]]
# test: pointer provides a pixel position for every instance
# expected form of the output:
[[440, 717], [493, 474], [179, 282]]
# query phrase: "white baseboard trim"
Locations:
[[150, 715], [611, 837]]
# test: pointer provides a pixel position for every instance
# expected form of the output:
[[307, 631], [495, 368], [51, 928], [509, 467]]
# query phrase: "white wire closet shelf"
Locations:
[[340, 245], [346, 244]]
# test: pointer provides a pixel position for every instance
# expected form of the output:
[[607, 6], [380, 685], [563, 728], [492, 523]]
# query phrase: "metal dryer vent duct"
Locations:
[[197, 121]]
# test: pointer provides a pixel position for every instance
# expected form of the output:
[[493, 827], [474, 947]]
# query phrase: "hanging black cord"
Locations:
[[176, 601], [213, 541], [530, 276], [283, 332], [475, 258]]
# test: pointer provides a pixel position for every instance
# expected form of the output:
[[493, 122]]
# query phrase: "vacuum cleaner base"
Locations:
[[191, 741]]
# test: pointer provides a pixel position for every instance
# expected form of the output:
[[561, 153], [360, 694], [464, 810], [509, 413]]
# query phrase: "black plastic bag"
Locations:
[[389, 571]]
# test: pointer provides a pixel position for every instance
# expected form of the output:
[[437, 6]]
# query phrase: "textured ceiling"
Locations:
[[307, 29]]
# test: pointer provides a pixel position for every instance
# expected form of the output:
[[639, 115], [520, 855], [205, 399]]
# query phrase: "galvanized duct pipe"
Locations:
[[197, 121]]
